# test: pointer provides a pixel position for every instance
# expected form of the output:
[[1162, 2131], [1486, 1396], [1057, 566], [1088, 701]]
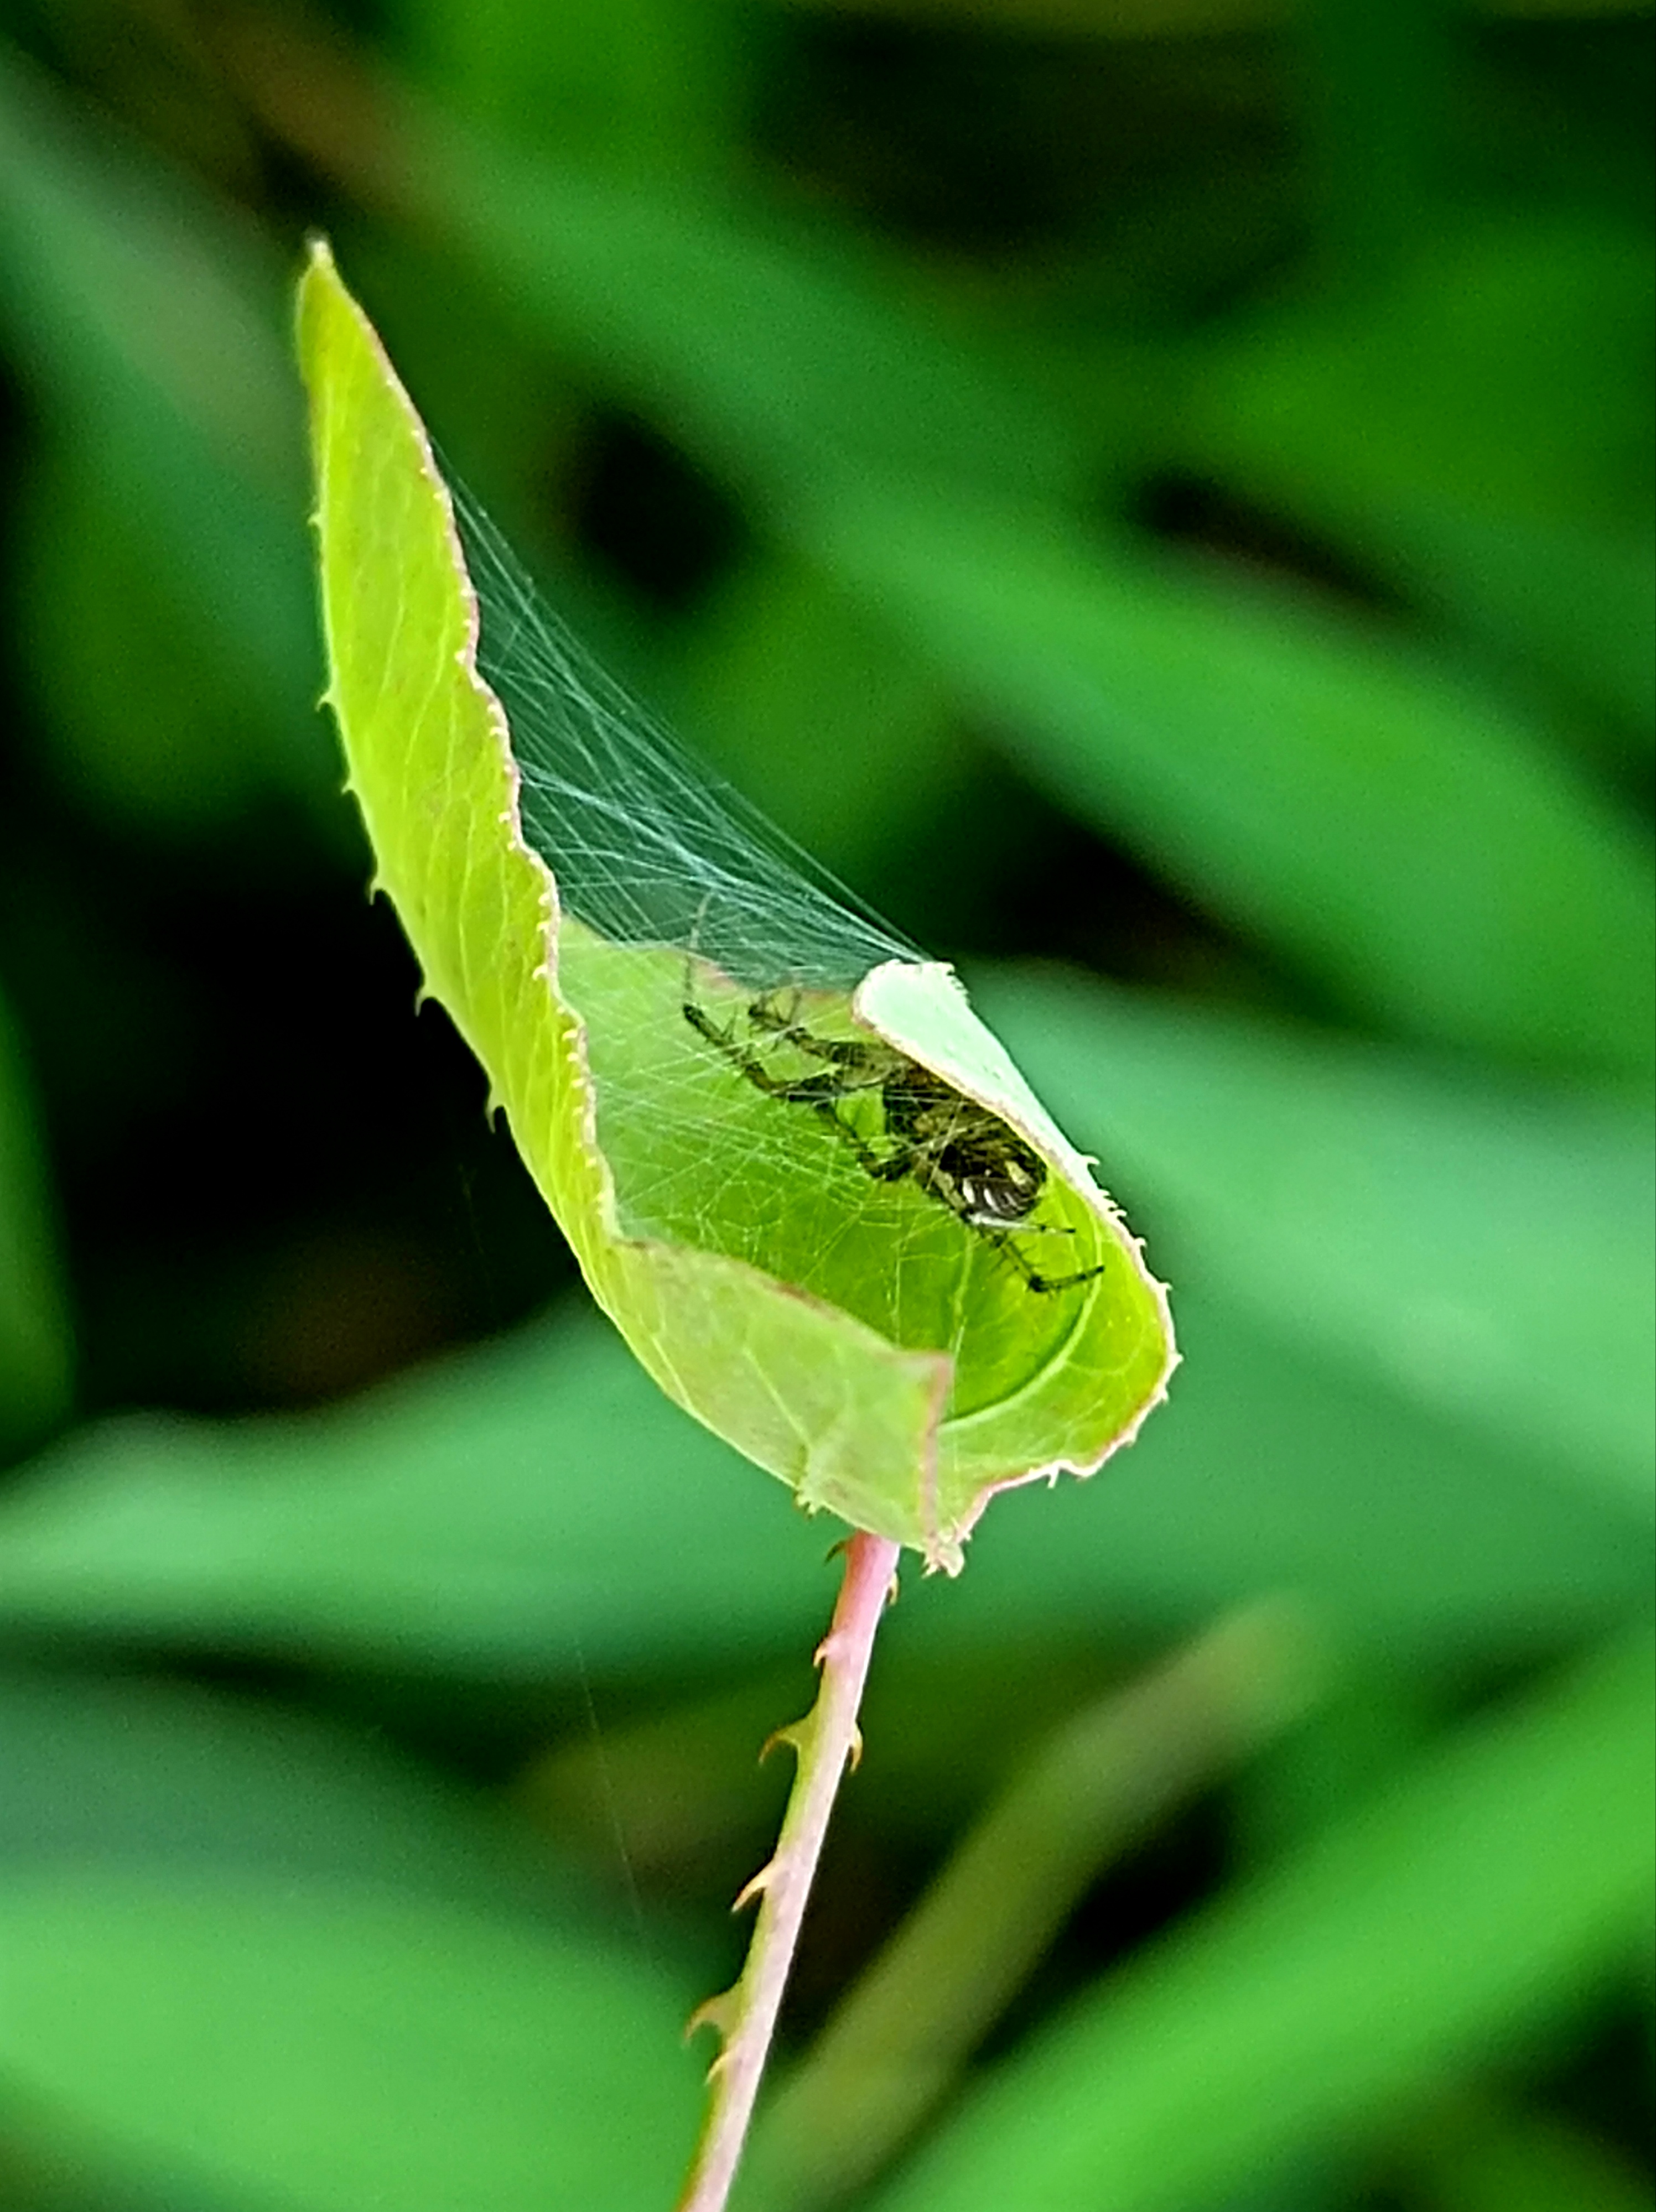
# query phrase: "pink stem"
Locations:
[[827, 1740]]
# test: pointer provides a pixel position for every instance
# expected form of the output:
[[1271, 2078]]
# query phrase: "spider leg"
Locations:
[[704, 1025], [823, 1087], [1045, 1285], [765, 1014], [786, 1030], [838, 1052], [811, 1089], [820, 1091]]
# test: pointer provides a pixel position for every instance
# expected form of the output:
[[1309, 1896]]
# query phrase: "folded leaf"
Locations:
[[810, 1189]]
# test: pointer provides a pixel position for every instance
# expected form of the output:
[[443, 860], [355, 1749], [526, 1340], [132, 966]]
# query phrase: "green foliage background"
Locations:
[[1159, 496]]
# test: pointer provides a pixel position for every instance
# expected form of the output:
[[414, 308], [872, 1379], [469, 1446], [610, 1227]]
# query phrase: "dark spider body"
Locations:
[[957, 1150]]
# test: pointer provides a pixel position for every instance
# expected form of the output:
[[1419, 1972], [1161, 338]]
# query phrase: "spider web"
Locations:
[[648, 844], [651, 850]]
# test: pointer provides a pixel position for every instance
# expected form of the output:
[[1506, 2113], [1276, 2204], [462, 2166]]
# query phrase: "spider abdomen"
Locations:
[[998, 1186]]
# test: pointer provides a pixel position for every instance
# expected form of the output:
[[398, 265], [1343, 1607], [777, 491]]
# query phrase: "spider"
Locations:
[[958, 1151]]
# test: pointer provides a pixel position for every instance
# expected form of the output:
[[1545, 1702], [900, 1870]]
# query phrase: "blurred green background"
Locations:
[[1156, 493]]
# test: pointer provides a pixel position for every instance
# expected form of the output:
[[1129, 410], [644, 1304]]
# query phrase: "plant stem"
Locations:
[[826, 1741], [899, 2040]]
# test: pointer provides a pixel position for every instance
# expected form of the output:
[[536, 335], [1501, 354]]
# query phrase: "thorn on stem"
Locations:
[[716, 2012], [793, 1736], [756, 1887]]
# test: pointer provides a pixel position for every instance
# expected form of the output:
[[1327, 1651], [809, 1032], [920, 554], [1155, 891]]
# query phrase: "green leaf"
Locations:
[[561, 877], [475, 1518], [1486, 1246], [783, 357], [326, 2046], [1378, 90], [1476, 2156], [152, 1774], [149, 324], [36, 1351], [147, 708], [478, 1518], [1407, 837], [1503, 1882], [1479, 430], [642, 84], [1275, 1471]]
